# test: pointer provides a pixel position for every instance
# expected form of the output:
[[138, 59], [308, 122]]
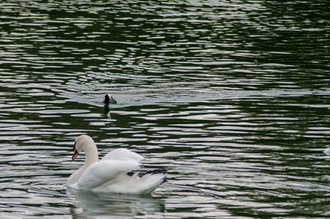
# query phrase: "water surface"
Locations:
[[239, 139]]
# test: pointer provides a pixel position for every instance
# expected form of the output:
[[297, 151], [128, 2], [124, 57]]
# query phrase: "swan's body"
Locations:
[[113, 173]]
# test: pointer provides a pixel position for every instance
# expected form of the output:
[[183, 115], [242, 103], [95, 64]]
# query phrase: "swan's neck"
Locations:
[[91, 155]]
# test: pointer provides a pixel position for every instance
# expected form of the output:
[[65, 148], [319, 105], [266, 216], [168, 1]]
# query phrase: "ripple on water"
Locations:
[[239, 139]]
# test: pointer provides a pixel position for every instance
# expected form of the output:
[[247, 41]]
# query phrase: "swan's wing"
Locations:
[[104, 171], [122, 154]]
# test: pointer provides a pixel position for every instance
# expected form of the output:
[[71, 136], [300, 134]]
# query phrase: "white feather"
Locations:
[[122, 154], [111, 173]]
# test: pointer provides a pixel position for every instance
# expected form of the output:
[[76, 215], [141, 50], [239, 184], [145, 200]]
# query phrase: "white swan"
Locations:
[[113, 173]]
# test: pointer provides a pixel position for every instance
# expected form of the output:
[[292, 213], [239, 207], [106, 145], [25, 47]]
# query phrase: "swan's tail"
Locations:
[[138, 182], [148, 181], [160, 173]]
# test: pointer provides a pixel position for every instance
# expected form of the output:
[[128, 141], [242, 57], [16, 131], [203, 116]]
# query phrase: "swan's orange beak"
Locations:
[[75, 152]]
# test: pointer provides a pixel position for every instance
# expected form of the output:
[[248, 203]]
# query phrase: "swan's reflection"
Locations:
[[115, 205]]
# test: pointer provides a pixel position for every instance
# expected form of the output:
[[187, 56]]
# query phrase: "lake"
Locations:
[[231, 97]]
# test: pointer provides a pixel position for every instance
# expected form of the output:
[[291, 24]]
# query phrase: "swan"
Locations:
[[114, 173], [327, 151]]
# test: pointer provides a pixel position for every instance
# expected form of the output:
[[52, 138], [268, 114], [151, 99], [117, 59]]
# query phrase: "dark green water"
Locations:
[[239, 139]]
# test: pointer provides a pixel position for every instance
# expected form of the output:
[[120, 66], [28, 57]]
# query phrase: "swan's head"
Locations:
[[82, 143]]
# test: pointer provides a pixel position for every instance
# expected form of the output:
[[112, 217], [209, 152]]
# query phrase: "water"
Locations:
[[240, 140]]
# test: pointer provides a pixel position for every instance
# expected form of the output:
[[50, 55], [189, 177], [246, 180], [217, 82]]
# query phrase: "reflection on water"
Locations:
[[118, 206], [239, 139]]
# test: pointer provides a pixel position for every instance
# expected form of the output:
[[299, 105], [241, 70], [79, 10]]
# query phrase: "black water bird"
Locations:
[[109, 100]]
